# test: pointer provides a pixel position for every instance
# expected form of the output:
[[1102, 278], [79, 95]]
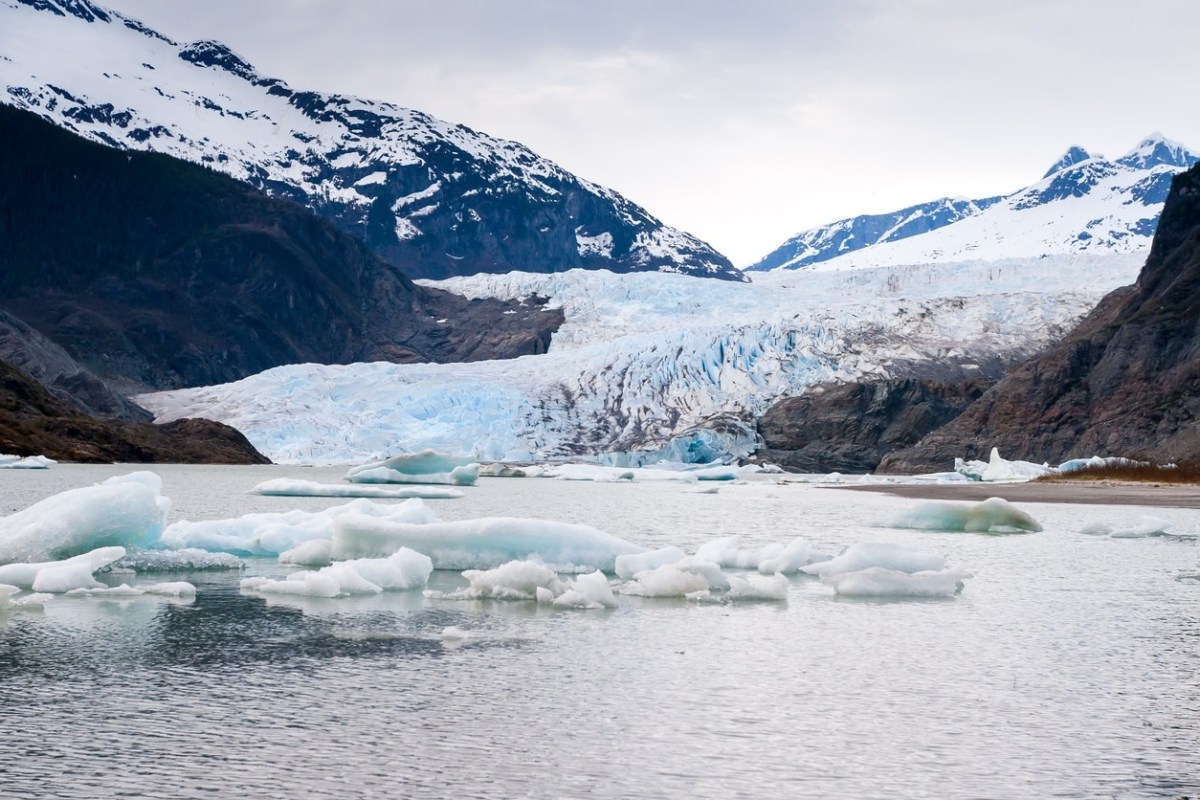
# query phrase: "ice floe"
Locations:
[[1145, 527], [403, 570], [883, 582], [427, 466], [58, 577], [27, 462], [482, 543], [865, 555], [275, 533], [127, 510], [12, 600], [994, 515], [290, 487]]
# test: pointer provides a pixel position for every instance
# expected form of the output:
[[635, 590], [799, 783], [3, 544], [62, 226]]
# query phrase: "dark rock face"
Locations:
[[1126, 382], [62, 376], [850, 427], [154, 273], [33, 422]]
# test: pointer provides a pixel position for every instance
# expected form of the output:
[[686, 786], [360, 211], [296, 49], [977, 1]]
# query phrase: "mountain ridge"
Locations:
[[434, 198], [1083, 203]]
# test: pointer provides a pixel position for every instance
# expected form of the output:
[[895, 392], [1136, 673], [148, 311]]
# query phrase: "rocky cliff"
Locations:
[[850, 427], [154, 273], [33, 422], [1125, 382]]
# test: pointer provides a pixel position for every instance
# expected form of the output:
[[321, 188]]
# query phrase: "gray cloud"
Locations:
[[744, 123]]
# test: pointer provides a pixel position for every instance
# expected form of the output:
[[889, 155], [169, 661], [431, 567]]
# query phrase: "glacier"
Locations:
[[644, 371]]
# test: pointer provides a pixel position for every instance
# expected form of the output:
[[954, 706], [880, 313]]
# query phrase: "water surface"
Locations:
[[1067, 668]]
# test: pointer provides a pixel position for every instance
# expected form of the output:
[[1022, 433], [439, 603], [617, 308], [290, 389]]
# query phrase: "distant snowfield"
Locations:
[[666, 365]]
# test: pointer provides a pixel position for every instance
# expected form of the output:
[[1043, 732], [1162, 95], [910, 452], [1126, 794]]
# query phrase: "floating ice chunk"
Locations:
[[758, 587], [1146, 526], [789, 559], [863, 555], [882, 582], [58, 577], [994, 515], [515, 580], [288, 487], [666, 581], [482, 543], [275, 533], [1094, 462], [126, 510], [627, 566], [403, 570], [124, 590], [181, 589], [9, 599], [498, 469], [427, 466], [302, 584], [589, 472], [997, 469], [400, 571], [590, 590], [313, 553], [726, 552], [189, 559], [30, 462]]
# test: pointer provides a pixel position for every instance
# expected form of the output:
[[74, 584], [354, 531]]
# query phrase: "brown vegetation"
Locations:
[[1188, 473]]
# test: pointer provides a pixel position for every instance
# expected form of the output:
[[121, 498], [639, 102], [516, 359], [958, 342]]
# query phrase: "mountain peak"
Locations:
[[76, 8], [209, 53], [1074, 155], [1156, 150]]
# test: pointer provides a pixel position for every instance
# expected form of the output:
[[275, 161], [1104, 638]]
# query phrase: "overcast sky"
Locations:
[[744, 123]]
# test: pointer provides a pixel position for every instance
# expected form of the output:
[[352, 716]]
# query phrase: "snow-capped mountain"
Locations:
[[641, 370], [1084, 203], [434, 198]]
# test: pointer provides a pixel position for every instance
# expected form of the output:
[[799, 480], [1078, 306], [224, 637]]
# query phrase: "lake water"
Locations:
[[1068, 667]]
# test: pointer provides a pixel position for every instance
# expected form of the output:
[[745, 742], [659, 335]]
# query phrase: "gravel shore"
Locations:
[[1163, 495]]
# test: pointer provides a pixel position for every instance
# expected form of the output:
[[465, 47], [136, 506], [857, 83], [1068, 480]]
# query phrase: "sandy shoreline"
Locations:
[[1115, 494]]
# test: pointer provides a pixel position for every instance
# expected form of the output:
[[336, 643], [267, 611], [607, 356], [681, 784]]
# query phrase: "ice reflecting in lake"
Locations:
[[1067, 667]]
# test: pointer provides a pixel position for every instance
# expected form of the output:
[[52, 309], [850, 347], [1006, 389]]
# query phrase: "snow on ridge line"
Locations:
[[643, 358]]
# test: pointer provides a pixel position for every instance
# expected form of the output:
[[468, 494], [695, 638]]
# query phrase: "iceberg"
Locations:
[[127, 510], [59, 577], [788, 559], [289, 487], [427, 466], [512, 580], [30, 462], [666, 581], [864, 555], [401, 571], [1146, 526], [9, 601], [190, 559], [482, 543], [994, 515], [758, 587], [591, 590], [1000, 470], [883, 582], [627, 566], [275, 533]]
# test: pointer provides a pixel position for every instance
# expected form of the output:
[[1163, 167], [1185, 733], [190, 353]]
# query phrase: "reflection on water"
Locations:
[[1067, 668]]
